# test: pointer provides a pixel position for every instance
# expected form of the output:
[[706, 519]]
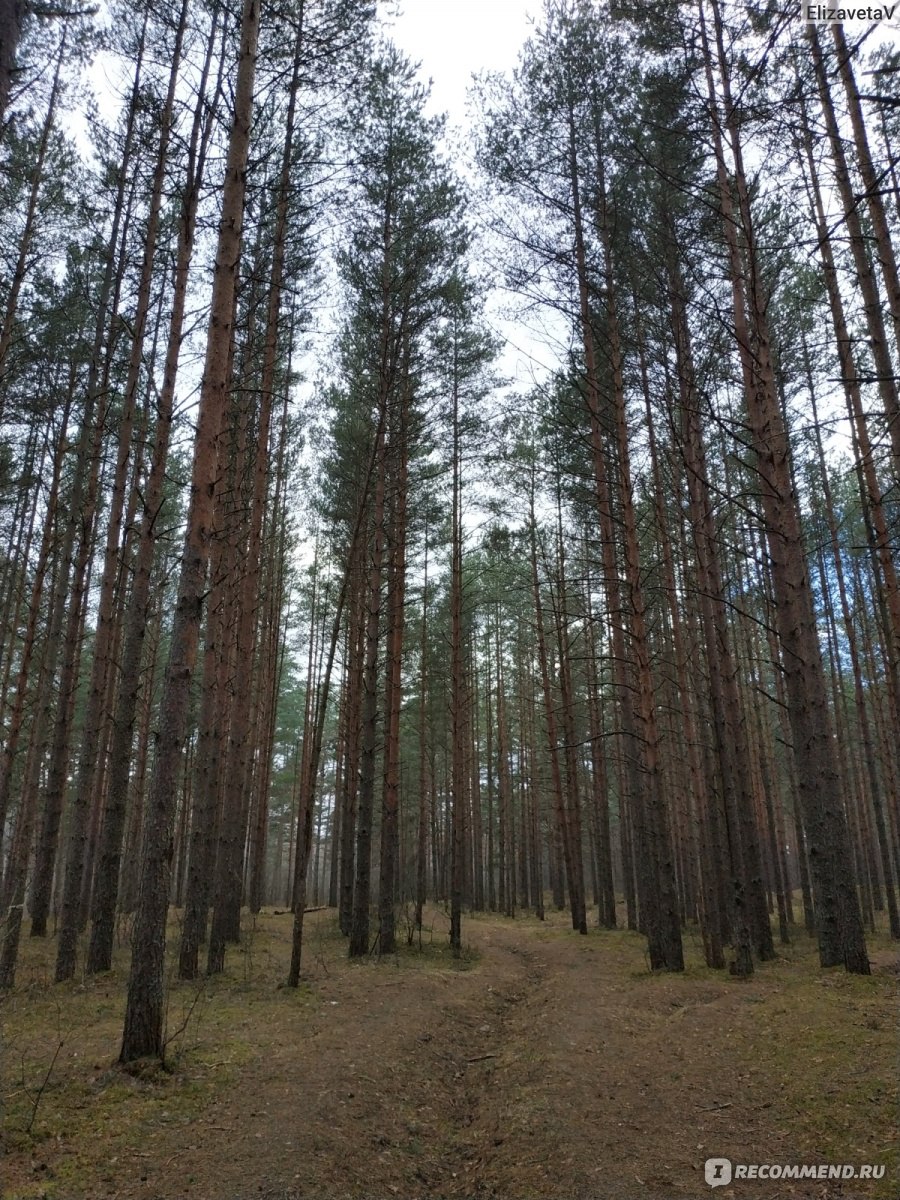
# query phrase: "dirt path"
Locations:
[[555, 1067], [406, 1095]]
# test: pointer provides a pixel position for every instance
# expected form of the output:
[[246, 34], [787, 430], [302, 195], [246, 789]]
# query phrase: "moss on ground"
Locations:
[[820, 1045]]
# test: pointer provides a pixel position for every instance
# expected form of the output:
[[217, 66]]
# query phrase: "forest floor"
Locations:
[[544, 1065]]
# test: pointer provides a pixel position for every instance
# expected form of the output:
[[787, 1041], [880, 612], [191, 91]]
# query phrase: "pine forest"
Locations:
[[450, 636]]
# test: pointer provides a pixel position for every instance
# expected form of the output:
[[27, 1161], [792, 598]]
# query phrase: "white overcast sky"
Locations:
[[455, 38], [452, 39]]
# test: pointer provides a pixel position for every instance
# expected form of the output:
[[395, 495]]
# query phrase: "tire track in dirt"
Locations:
[[553, 1068], [490, 1067], [457, 1077], [621, 1083], [406, 1098]]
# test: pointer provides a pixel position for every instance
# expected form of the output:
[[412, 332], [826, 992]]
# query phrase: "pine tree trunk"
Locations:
[[143, 1034], [15, 719], [23, 259], [11, 13], [96, 712], [356, 638], [457, 693], [394, 692], [359, 933], [838, 918], [236, 775], [562, 823], [872, 493], [885, 251], [572, 828], [422, 824], [868, 286], [106, 889], [15, 879], [645, 802]]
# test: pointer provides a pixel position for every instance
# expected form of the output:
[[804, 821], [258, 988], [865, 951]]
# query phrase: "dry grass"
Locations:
[[542, 1065]]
